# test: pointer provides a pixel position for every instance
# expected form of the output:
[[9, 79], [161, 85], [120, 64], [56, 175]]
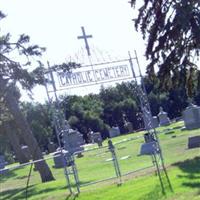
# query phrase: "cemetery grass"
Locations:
[[182, 164]]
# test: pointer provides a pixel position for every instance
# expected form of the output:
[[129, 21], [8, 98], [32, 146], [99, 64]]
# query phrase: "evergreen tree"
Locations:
[[13, 72], [171, 29]]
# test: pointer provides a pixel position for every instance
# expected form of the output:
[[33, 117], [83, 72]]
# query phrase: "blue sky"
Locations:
[[55, 24]]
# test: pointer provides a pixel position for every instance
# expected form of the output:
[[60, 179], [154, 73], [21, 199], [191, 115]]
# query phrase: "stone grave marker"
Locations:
[[59, 160], [191, 117], [147, 119], [114, 131], [128, 125], [73, 141], [194, 142], [51, 147], [163, 118], [97, 138], [155, 122], [148, 138], [90, 136], [26, 151], [149, 148], [125, 157]]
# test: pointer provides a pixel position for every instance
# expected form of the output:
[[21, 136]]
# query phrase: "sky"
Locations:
[[55, 24]]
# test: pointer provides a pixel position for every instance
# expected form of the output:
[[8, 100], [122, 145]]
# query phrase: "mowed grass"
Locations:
[[183, 167]]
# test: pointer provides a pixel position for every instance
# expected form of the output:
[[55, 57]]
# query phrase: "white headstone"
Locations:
[[114, 132], [155, 122], [163, 118], [191, 117], [97, 138], [73, 141], [128, 125], [26, 151]]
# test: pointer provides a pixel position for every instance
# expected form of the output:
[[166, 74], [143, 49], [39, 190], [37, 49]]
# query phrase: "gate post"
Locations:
[[111, 148]]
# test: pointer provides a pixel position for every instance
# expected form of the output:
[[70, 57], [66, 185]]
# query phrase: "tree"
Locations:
[[171, 29], [12, 73], [10, 131], [39, 118]]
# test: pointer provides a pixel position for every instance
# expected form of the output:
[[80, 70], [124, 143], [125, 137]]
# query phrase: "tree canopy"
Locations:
[[22, 72], [12, 71], [171, 29]]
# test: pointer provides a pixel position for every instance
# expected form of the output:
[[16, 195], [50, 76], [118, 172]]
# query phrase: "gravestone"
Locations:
[[73, 141], [114, 131], [149, 119], [51, 147], [155, 122], [149, 148], [129, 127], [191, 117], [97, 138], [163, 118], [194, 142], [90, 136], [26, 151], [59, 160], [148, 138]]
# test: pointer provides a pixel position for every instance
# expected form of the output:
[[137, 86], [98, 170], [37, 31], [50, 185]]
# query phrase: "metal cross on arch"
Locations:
[[85, 37]]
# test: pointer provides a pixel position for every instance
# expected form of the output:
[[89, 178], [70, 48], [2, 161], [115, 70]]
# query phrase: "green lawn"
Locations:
[[183, 167]]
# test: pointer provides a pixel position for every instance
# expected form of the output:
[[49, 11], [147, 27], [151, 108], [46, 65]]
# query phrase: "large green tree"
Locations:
[[13, 72], [171, 29]]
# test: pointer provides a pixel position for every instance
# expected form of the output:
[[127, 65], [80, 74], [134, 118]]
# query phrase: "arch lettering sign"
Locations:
[[90, 75]]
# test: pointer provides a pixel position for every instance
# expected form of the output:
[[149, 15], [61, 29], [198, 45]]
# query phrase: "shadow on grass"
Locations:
[[192, 168], [170, 132], [9, 194], [71, 197], [7, 175], [12, 173], [20, 193]]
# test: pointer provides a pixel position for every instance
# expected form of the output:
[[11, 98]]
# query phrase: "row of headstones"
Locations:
[[160, 120], [3, 162], [191, 118], [74, 140]]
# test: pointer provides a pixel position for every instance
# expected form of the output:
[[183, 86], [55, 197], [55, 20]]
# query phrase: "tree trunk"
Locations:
[[22, 124], [10, 131]]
